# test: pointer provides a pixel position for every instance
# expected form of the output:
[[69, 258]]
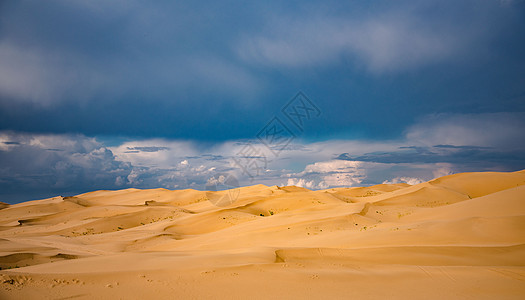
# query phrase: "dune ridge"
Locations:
[[463, 233]]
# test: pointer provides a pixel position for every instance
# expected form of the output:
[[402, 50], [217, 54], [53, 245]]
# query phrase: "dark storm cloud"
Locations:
[[464, 155], [199, 70], [147, 149], [209, 157], [497, 142], [29, 168], [461, 147]]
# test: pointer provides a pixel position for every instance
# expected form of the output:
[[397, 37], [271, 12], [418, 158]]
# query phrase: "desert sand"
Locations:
[[460, 236]]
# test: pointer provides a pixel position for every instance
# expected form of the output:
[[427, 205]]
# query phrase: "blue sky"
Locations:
[[119, 94]]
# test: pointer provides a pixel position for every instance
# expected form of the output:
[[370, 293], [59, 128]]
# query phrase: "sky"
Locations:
[[155, 94]]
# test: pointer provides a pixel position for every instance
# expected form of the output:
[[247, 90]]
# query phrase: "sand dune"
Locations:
[[458, 236]]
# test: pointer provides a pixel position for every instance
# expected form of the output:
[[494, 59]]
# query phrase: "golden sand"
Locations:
[[458, 236]]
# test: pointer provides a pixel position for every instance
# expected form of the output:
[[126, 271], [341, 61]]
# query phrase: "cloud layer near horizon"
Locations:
[[47, 165]]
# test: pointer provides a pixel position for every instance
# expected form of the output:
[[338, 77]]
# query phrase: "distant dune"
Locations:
[[458, 236]]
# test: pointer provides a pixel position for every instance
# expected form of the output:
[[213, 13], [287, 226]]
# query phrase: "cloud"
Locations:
[[337, 162], [334, 173], [49, 164], [175, 163], [338, 173], [408, 180], [487, 141], [56, 53], [44, 76], [154, 152], [164, 72], [146, 149], [432, 154], [65, 52], [56, 164], [502, 130], [395, 38], [444, 170]]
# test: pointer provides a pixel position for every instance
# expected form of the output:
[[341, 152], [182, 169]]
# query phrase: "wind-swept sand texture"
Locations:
[[459, 236]]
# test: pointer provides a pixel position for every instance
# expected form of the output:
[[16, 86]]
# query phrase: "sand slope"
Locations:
[[459, 236]]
